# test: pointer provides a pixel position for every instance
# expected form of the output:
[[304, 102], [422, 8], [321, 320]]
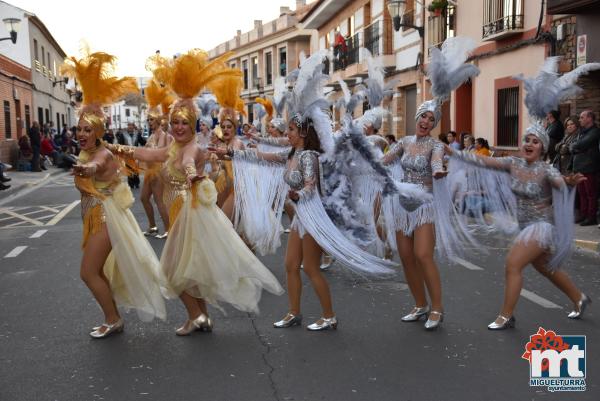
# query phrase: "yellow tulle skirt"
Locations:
[[132, 268], [206, 258]]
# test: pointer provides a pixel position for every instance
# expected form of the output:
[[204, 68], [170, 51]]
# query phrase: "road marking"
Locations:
[[464, 263], [38, 233], [63, 213], [20, 216], [50, 209], [15, 252], [533, 297]]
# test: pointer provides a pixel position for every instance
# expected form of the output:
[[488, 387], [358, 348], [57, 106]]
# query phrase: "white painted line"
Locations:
[[21, 217], [50, 209], [63, 213], [38, 233], [533, 297], [465, 263], [15, 252]]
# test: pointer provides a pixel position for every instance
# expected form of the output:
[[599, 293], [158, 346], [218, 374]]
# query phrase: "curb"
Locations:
[[589, 245]]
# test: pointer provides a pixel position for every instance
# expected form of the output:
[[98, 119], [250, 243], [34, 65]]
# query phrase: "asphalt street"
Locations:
[[46, 313]]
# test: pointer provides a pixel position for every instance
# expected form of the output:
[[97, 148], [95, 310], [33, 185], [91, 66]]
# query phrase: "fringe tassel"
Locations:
[[563, 201], [174, 210], [92, 223], [86, 185], [316, 222], [260, 192]]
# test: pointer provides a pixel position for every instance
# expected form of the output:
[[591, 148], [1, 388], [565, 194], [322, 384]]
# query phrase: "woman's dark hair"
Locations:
[[555, 114], [444, 138], [311, 138], [391, 137], [483, 143]]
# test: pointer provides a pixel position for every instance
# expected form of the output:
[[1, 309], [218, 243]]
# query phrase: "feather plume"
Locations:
[[94, 74], [155, 94], [546, 90], [349, 101], [228, 90], [447, 68], [207, 104], [280, 96], [268, 107], [375, 83]]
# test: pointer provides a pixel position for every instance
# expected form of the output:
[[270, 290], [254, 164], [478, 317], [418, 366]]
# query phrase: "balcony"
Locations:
[[343, 57], [502, 18], [441, 27], [372, 38]]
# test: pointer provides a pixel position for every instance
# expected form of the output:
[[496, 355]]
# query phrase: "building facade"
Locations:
[[30, 86], [367, 24], [269, 51]]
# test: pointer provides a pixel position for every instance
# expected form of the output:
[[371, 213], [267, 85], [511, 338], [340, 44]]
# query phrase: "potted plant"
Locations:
[[437, 6]]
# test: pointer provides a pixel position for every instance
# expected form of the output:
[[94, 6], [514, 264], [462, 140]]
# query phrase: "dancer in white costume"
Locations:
[[118, 265], [204, 259], [533, 193], [418, 160]]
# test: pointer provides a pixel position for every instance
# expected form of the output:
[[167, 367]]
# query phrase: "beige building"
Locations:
[[367, 24], [269, 51]]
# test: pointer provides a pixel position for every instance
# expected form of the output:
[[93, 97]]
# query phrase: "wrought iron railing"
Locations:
[[372, 38], [501, 16], [344, 57]]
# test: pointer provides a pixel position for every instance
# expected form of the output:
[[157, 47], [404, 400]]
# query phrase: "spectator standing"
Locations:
[[469, 143], [452, 142], [586, 160], [109, 136], [482, 147], [563, 161], [132, 138], [555, 131], [35, 141]]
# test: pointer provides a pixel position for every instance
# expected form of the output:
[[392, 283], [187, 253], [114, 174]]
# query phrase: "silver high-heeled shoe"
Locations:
[[163, 235], [323, 324], [288, 321], [434, 324], [207, 326], [505, 323], [580, 307], [327, 262], [416, 314], [116, 327], [151, 232], [192, 325]]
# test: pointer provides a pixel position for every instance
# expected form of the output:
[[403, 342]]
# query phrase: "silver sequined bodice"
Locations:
[[302, 167], [420, 158]]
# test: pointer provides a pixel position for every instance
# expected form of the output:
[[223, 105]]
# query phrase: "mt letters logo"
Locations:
[[556, 362]]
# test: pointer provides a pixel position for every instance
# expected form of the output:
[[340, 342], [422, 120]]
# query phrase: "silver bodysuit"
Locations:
[[530, 183], [420, 158]]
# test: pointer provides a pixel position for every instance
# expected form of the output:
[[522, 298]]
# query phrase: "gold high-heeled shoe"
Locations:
[[505, 323], [416, 314], [191, 325], [580, 307], [323, 324], [434, 324], [288, 321], [151, 232], [116, 327]]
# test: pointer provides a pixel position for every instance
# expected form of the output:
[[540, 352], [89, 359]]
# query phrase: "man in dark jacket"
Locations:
[[131, 138], [586, 160], [35, 140], [555, 131]]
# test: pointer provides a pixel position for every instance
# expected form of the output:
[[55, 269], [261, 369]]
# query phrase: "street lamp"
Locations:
[[12, 26], [396, 9]]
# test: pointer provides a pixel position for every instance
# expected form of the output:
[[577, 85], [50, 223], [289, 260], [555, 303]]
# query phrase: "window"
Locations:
[[269, 67], [35, 49], [508, 117], [501, 18], [57, 122], [41, 116], [245, 70], [408, 17], [351, 26], [282, 62], [27, 118], [7, 123], [440, 27], [127, 113], [47, 115], [254, 61], [48, 59], [43, 56], [250, 113]]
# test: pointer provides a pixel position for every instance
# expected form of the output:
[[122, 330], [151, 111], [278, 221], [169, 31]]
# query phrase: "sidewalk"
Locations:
[[22, 180], [587, 237]]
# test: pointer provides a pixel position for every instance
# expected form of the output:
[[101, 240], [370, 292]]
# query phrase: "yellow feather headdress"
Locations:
[[156, 97], [94, 75], [268, 105], [227, 91], [188, 74]]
